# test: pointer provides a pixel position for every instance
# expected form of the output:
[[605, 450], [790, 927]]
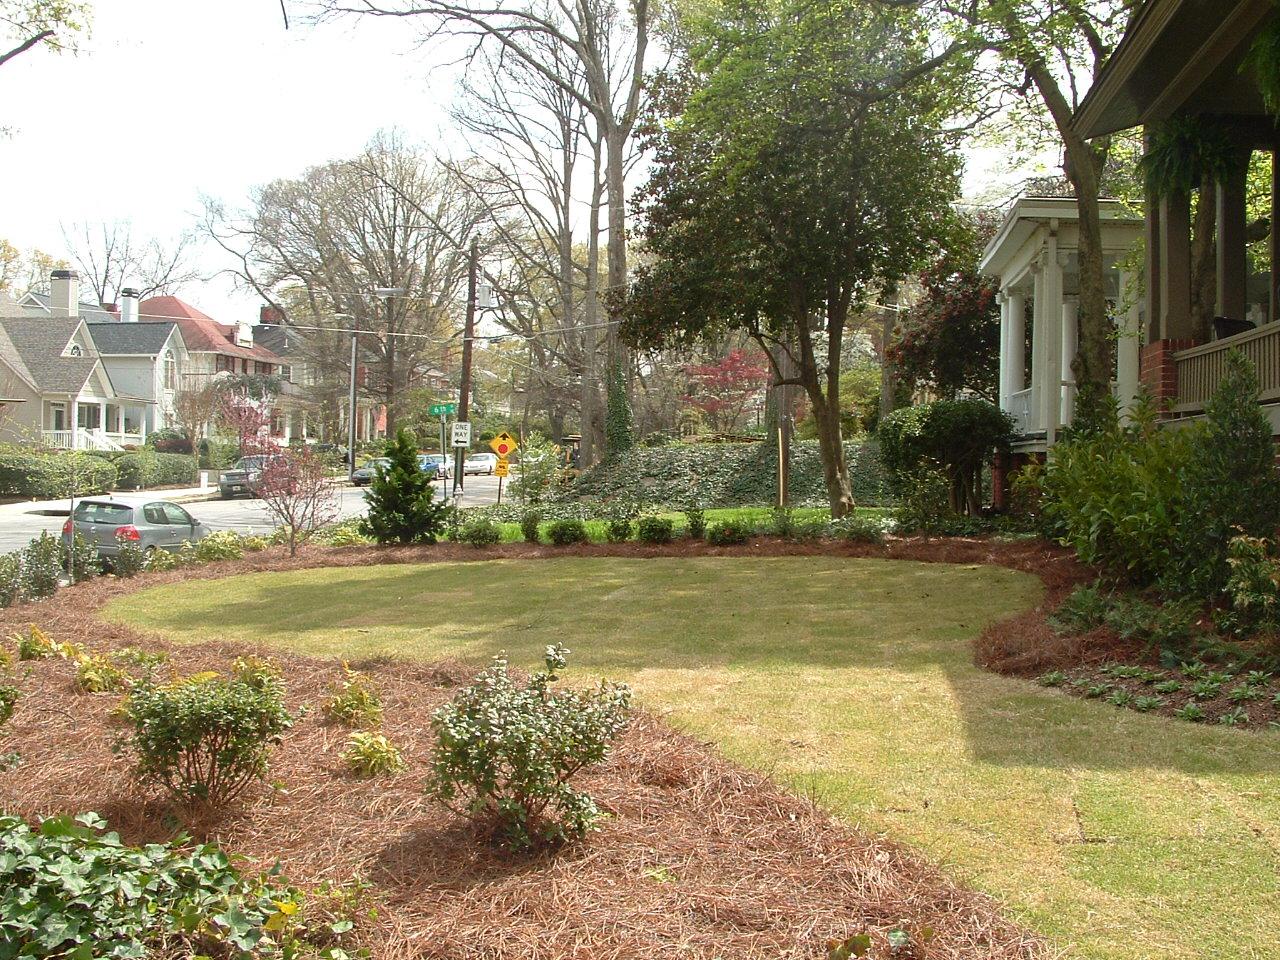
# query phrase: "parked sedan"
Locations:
[[149, 524], [242, 479], [365, 473], [480, 463], [444, 464]]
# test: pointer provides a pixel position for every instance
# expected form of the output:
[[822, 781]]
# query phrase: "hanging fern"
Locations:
[[1263, 61], [1184, 151]]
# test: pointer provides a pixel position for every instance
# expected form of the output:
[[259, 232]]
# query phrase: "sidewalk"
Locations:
[[60, 508]]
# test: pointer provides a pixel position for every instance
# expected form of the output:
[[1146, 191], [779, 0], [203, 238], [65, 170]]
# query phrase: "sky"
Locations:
[[169, 101]]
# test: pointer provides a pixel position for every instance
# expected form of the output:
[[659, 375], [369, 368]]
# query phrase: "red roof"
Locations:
[[200, 332]]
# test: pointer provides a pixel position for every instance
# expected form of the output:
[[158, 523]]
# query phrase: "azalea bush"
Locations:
[[507, 752]]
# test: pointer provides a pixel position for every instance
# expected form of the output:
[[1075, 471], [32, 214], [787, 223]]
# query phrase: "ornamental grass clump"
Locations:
[[506, 752], [355, 701], [205, 738]]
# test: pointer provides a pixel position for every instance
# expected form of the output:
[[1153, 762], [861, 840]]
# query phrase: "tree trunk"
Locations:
[[888, 370], [1092, 366], [835, 468], [1204, 262], [592, 429], [616, 198]]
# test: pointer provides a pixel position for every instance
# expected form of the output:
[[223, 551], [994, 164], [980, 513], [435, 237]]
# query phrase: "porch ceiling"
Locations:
[[1178, 56]]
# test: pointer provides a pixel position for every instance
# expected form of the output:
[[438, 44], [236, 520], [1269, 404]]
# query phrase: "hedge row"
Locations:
[[729, 475], [46, 476], [148, 468]]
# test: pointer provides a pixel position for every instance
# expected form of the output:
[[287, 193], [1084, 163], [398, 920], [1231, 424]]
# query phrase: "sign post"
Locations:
[[504, 444], [443, 411]]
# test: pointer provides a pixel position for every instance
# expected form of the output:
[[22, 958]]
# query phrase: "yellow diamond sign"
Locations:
[[504, 444]]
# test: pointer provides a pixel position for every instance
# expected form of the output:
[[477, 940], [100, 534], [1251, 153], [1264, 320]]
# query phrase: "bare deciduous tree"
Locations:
[[298, 492], [110, 259]]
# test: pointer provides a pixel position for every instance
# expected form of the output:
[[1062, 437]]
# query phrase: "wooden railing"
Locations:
[[1019, 407], [1200, 369], [91, 438]]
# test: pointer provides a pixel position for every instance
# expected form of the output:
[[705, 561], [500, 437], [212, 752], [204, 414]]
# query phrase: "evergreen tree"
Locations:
[[402, 504], [618, 423]]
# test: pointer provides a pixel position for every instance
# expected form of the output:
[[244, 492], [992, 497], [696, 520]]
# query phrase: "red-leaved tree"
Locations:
[[249, 420], [722, 390], [299, 493]]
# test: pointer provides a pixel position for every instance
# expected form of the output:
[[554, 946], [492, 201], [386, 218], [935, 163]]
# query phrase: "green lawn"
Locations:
[[1123, 835]]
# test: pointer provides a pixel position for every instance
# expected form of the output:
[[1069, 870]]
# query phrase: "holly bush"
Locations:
[[506, 752], [654, 530], [565, 532]]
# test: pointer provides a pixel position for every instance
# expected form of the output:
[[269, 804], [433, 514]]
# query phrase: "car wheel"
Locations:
[[224, 494]]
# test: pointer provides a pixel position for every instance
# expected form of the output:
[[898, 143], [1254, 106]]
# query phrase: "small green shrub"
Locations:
[[696, 522], [1253, 587], [8, 700], [563, 533], [222, 545], [1085, 608], [1147, 704], [654, 530], [728, 534], [41, 567], [35, 644], [858, 529], [372, 755], [252, 543], [99, 673], [506, 752], [354, 701], [1054, 678], [204, 738], [618, 529], [12, 586], [344, 533], [1191, 711], [129, 561], [923, 502], [84, 563], [261, 673], [1236, 717], [782, 523], [159, 560], [529, 522], [480, 533]]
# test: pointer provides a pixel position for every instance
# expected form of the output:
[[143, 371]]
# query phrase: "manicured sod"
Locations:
[[1120, 834]]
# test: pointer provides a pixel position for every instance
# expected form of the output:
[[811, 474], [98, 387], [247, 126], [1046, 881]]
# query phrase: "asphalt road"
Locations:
[[17, 528]]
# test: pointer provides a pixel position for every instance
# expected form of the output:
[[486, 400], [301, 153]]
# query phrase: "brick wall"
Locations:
[[1157, 370]]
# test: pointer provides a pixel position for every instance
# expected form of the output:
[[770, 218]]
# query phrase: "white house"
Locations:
[[1034, 257], [143, 359]]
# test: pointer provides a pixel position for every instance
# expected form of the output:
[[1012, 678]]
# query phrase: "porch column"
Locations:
[[102, 417], [1175, 267], [1003, 299], [142, 424], [1152, 256], [1051, 378], [1070, 341], [1273, 244], [1017, 369], [75, 424], [1232, 264], [1037, 347], [1128, 348]]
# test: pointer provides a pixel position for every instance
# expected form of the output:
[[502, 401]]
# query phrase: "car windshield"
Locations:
[[374, 464], [435, 457], [250, 463], [89, 511]]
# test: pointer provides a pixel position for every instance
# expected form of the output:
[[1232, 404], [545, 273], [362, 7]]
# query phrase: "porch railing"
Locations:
[[1200, 369], [1019, 407], [91, 439]]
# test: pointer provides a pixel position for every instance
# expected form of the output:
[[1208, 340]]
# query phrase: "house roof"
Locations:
[[131, 339], [88, 311], [39, 343], [200, 332], [1178, 56], [1028, 214]]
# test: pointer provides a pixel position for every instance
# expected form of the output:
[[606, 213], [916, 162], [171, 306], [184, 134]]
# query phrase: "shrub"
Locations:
[[222, 545], [170, 899], [696, 522], [372, 754], [355, 701], [101, 674], [401, 498], [41, 567], [84, 563], [728, 534], [529, 523], [956, 436], [506, 752], [169, 440], [251, 543], [1165, 626], [565, 532], [261, 673], [35, 644], [53, 476], [1084, 608], [857, 529], [480, 533], [782, 522], [924, 503], [12, 586], [130, 559], [654, 530], [1253, 587], [618, 529], [540, 468], [344, 533], [204, 738], [150, 468], [8, 700], [158, 560]]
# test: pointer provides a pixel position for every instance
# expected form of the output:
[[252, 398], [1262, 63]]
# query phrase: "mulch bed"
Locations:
[[700, 858]]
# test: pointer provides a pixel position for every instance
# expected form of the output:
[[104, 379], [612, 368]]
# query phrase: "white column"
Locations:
[[1070, 342], [102, 417], [1038, 345], [1005, 356], [1051, 382], [1017, 343], [142, 423], [75, 424], [1128, 348]]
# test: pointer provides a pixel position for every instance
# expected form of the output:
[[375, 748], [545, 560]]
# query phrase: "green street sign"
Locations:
[[443, 409]]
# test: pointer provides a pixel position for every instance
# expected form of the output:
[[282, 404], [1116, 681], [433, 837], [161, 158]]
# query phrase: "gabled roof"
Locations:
[[88, 311], [131, 339], [200, 332], [39, 342]]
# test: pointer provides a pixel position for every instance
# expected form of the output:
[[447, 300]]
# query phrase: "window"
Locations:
[[176, 516], [170, 371], [154, 513], [75, 351], [286, 372], [88, 511]]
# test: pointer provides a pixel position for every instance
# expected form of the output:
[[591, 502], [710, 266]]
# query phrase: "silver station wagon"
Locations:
[[150, 524]]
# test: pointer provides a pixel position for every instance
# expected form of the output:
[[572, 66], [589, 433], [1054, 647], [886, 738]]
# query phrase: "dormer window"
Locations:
[[75, 351]]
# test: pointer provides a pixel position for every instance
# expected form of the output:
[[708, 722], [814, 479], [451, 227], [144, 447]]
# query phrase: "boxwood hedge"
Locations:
[[728, 475], [43, 476], [148, 468]]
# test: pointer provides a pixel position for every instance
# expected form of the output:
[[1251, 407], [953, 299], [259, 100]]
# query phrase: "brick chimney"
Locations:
[[128, 305], [270, 315], [64, 297]]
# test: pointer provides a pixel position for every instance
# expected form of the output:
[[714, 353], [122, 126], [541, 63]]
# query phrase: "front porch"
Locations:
[[93, 423]]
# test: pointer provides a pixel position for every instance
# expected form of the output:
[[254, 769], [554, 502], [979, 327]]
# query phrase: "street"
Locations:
[[18, 527]]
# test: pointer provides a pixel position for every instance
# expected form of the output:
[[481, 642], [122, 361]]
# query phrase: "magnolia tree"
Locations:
[[299, 493]]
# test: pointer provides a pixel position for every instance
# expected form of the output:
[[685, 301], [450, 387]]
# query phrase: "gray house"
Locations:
[[144, 360]]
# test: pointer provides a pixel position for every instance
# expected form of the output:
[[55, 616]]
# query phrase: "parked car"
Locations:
[[443, 462], [366, 472], [480, 463], [150, 524], [241, 480], [427, 465]]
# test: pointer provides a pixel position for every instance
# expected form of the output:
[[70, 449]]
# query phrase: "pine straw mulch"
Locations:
[[700, 858]]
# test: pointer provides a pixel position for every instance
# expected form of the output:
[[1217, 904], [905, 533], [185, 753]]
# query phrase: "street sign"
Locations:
[[502, 468], [504, 444], [462, 434], [443, 409]]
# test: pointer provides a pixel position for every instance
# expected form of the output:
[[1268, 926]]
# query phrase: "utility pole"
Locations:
[[351, 404], [468, 334]]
